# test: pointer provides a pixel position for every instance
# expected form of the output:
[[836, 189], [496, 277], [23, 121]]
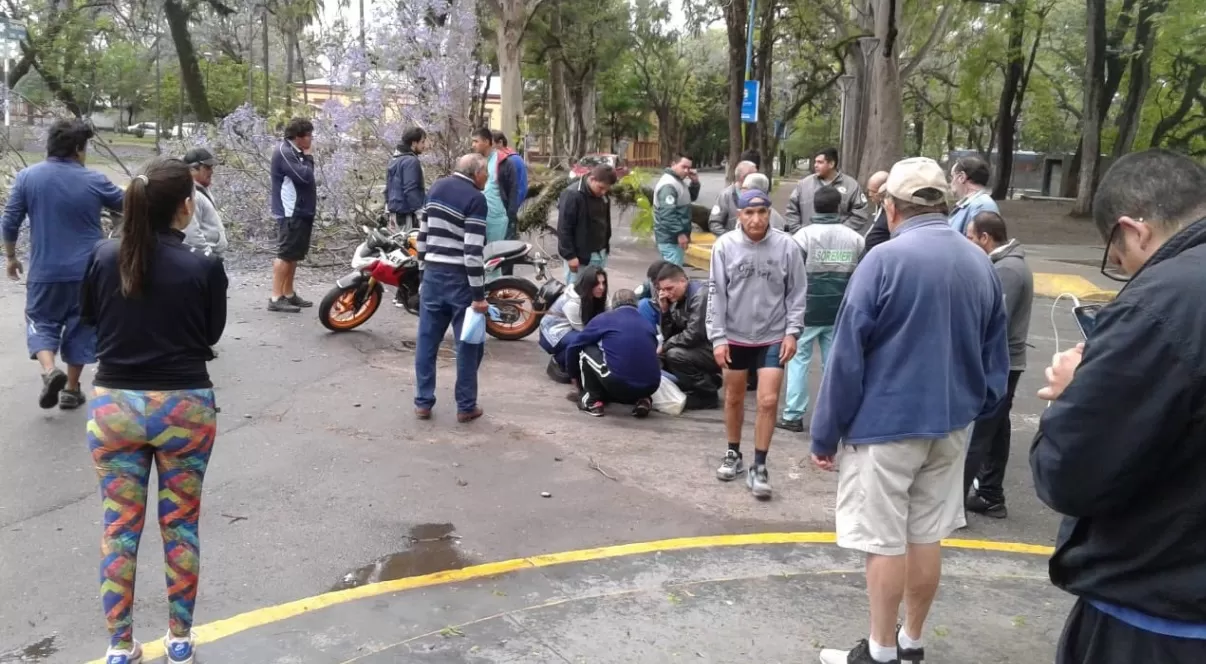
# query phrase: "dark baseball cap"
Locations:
[[200, 156]]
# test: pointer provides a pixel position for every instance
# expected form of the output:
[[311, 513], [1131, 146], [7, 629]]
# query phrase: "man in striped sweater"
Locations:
[[452, 233]]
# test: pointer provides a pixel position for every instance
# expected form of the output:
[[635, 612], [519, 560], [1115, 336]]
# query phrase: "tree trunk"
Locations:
[[290, 47], [918, 126], [764, 72], [557, 102], [267, 77], [852, 117], [1007, 125], [190, 71], [1140, 76], [510, 36], [666, 133], [590, 101], [1090, 141], [735, 25], [1197, 76], [301, 63], [884, 143]]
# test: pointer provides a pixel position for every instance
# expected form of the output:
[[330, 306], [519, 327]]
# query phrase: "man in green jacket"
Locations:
[[672, 198]]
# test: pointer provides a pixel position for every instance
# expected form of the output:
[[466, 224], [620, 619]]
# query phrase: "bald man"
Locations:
[[879, 232], [724, 214]]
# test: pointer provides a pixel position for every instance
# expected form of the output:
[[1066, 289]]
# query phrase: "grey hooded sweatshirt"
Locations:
[[1017, 282], [757, 290]]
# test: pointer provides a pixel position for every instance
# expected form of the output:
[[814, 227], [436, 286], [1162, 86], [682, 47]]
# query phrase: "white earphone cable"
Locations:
[[1054, 327]]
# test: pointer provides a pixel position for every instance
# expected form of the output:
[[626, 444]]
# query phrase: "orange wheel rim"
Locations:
[[513, 301], [344, 313]]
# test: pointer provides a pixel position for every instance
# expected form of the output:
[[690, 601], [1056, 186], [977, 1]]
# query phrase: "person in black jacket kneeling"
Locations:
[[1120, 451], [685, 350]]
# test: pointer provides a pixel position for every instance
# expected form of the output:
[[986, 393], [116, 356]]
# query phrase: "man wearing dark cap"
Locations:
[[205, 233], [919, 353]]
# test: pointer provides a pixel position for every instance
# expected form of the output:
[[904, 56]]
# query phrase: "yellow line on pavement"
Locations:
[[272, 614]]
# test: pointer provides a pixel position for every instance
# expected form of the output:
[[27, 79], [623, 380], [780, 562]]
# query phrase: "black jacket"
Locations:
[[685, 324], [573, 223], [509, 189], [879, 232], [1122, 452]]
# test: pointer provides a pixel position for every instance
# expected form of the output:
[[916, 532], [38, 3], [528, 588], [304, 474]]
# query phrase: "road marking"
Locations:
[[221, 629]]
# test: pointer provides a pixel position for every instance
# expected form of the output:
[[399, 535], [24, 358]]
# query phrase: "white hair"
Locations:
[[471, 164], [756, 181]]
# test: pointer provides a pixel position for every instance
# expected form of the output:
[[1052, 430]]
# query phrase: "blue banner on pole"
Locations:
[[749, 101]]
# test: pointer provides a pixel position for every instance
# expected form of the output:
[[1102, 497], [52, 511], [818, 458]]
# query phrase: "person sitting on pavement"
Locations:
[[756, 299], [831, 252], [969, 182], [1119, 451], [879, 232], [759, 182], [647, 293], [919, 354], [723, 217], [584, 221], [205, 233], [577, 306], [157, 307], [63, 201], [853, 212], [988, 451], [672, 198], [685, 349], [616, 359]]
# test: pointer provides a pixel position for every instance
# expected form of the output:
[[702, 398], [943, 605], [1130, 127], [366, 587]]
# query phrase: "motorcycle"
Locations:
[[392, 260]]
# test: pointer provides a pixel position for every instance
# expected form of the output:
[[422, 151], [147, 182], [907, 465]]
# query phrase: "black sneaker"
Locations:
[[556, 374], [52, 384], [912, 655], [642, 408], [283, 305], [71, 399], [298, 301], [976, 503], [796, 426], [590, 405], [859, 654], [707, 400]]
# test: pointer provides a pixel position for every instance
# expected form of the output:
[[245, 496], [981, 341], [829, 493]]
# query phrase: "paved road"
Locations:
[[320, 472]]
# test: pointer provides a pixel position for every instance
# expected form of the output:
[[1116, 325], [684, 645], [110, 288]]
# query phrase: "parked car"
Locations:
[[142, 129], [589, 161]]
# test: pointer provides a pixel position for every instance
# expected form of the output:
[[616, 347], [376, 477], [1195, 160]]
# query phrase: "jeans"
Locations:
[[672, 252], [797, 369], [444, 296], [988, 450], [598, 259]]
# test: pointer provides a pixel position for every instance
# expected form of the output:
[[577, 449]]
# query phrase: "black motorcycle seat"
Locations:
[[505, 249]]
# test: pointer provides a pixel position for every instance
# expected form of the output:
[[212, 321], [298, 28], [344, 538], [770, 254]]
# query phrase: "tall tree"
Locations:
[[178, 14], [513, 18], [736, 29], [1018, 68], [1094, 105]]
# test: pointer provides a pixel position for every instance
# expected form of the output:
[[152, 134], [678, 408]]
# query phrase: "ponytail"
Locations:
[[152, 202]]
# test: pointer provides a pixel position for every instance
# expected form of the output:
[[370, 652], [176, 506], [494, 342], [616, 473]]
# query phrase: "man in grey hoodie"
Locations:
[[756, 296], [205, 233], [988, 450]]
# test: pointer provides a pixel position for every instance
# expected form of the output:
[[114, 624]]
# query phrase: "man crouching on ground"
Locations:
[[616, 359], [686, 352], [756, 295]]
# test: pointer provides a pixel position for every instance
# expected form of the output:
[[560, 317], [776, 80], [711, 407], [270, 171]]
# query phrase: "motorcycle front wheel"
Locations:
[[344, 309], [515, 299]]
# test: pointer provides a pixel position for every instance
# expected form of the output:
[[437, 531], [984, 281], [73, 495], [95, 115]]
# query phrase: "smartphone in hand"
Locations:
[[1086, 318]]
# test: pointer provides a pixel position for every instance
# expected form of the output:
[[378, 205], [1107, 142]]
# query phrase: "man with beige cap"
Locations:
[[919, 354]]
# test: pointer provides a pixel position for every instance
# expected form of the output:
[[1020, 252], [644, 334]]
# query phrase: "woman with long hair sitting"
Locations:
[[582, 301], [158, 308]]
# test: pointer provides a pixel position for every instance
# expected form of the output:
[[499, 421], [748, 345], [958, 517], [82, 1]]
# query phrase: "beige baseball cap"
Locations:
[[909, 177]]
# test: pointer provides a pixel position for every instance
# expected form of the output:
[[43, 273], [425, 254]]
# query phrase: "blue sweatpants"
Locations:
[[52, 322]]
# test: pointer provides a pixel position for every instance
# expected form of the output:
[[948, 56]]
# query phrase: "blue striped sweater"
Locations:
[[452, 232]]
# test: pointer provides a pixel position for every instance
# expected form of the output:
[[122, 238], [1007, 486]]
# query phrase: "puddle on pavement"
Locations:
[[34, 652], [433, 548]]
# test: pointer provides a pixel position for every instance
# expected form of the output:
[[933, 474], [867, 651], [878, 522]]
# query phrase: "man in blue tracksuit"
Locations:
[[63, 201], [617, 359], [919, 353], [405, 191]]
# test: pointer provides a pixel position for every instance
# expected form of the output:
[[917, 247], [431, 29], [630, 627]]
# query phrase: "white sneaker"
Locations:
[[122, 656], [179, 649]]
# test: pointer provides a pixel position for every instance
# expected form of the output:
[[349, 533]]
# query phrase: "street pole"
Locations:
[[7, 53]]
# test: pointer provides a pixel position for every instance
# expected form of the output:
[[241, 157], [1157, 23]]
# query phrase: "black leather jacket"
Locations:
[[685, 324]]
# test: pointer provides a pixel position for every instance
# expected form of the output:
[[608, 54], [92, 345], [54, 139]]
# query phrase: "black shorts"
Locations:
[[745, 358], [293, 238], [1093, 637]]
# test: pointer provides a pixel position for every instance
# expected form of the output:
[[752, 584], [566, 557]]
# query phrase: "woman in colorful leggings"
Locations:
[[157, 307]]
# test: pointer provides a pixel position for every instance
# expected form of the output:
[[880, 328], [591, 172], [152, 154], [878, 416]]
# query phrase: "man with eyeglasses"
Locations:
[[1120, 449]]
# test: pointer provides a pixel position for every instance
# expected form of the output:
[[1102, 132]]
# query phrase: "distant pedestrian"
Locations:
[[452, 233], [294, 204], [756, 297], [205, 233], [672, 198], [969, 183], [520, 187], [63, 201], [158, 307], [919, 354], [723, 217], [988, 451], [831, 252], [584, 221], [879, 233], [1120, 451], [616, 359], [405, 189], [853, 212]]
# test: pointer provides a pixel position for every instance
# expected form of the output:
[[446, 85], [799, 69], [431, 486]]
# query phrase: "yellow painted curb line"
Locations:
[[259, 617]]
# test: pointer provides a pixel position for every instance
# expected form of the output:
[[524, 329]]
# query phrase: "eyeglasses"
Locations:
[[1109, 269]]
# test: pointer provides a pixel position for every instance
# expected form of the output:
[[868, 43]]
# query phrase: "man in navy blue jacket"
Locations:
[[405, 191], [63, 201], [919, 354], [294, 202], [617, 359]]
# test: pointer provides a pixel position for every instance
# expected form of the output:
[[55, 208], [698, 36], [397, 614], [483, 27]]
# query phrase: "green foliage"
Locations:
[[632, 191]]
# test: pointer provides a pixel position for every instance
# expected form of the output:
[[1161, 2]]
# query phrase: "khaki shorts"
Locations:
[[894, 494]]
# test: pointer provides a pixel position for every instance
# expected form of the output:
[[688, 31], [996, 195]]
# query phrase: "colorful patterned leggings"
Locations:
[[128, 430]]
